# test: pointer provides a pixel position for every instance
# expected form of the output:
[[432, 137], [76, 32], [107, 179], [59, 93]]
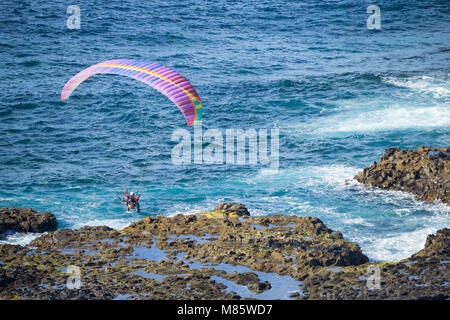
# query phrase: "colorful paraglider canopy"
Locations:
[[167, 81]]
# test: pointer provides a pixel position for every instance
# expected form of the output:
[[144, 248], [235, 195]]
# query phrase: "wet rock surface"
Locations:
[[214, 257], [424, 172], [26, 220]]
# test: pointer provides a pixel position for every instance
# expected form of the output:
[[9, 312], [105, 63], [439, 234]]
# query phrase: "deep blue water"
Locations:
[[338, 92]]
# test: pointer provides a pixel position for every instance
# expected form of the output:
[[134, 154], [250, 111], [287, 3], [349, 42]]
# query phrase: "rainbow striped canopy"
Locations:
[[167, 81]]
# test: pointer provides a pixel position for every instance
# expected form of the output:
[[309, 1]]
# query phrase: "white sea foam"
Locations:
[[191, 208], [426, 105], [359, 221], [389, 118], [438, 88], [20, 238], [112, 223], [394, 247], [332, 175], [380, 242]]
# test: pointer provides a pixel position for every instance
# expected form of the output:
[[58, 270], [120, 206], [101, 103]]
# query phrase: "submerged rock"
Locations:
[[424, 172], [26, 220]]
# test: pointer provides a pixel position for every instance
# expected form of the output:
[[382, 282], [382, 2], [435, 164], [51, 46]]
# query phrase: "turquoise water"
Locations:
[[339, 94]]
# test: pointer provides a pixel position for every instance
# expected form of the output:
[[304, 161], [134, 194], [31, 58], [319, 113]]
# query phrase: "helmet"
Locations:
[[131, 193]]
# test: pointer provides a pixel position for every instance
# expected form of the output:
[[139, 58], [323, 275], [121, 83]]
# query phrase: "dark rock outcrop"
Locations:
[[228, 208], [424, 172], [437, 246], [26, 220]]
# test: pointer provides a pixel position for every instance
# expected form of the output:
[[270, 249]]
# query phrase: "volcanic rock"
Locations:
[[424, 172], [26, 220]]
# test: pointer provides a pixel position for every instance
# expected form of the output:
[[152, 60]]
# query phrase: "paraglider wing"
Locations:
[[167, 81]]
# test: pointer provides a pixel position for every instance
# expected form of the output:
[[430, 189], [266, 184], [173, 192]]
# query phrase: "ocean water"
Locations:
[[339, 94]]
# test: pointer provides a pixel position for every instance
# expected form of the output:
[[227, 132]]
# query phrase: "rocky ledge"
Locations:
[[216, 256], [26, 220], [424, 172]]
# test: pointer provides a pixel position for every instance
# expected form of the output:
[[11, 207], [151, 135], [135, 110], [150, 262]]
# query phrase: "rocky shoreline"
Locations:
[[224, 254], [228, 254]]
